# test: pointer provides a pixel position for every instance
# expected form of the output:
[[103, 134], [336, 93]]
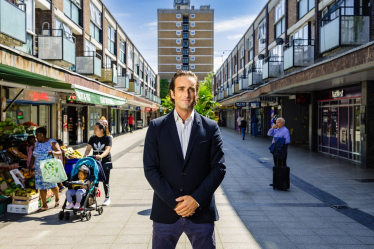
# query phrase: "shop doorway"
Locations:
[[339, 129], [75, 116]]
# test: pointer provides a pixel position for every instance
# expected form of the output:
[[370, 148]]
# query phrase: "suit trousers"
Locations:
[[166, 236]]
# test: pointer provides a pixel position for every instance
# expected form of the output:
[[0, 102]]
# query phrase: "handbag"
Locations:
[[52, 170]]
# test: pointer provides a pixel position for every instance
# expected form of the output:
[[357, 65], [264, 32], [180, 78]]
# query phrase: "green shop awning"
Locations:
[[98, 99], [20, 76]]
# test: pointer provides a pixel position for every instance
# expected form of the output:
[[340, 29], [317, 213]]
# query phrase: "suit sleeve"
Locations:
[[151, 162], [217, 171]]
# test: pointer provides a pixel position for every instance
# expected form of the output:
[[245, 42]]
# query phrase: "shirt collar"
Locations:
[[177, 118]]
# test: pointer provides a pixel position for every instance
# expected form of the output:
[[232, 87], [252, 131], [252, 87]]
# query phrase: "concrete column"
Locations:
[[313, 123]]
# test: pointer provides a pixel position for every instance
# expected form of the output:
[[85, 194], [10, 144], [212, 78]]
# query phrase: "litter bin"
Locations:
[[139, 124]]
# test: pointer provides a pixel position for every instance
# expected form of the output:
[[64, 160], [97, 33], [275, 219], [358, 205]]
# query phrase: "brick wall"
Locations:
[[86, 17], [271, 26], [42, 16], [292, 12]]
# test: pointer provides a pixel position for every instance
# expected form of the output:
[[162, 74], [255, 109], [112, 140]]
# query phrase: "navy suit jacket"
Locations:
[[171, 176]]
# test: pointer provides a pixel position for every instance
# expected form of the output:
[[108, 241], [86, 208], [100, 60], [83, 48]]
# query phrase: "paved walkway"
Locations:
[[252, 214]]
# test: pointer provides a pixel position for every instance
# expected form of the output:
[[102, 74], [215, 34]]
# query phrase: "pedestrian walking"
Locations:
[[243, 127], [131, 122], [278, 130], [238, 120], [183, 162], [101, 143], [44, 147], [61, 187], [254, 123]]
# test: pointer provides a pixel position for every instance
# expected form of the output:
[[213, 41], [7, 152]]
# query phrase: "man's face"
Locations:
[[185, 93], [279, 123]]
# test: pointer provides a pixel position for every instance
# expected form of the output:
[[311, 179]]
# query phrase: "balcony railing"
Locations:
[[344, 26], [123, 82], [89, 64], [272, 67], [55, 46], [298, 53], [12, 24], [109, 75], [235, 88]]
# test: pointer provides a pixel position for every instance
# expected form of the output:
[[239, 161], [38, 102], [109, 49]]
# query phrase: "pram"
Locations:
[[90, 197]]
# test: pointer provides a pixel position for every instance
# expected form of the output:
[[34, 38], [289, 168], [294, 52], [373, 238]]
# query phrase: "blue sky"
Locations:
[[139, 20]]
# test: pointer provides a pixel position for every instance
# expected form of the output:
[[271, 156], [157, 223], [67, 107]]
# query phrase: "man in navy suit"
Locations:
[[184, 163]]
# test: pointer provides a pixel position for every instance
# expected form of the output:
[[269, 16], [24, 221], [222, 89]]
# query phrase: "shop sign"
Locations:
[[269, 99], [116, 107], [303, 98], [71, 98], [30, 95], [131, 107], [240, 104], [255, 104], [94, 98], [138, 108], [19, 114], [154, 109], [337, 94], [148, 109]]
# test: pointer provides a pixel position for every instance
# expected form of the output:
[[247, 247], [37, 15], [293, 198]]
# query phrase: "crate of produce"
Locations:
[[25, 197], [22, 209], [21, 136], [3, 184]]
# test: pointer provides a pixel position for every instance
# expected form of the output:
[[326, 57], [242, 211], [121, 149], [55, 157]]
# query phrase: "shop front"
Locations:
[[256, 111], [340, 118], [271, 109], [99, 104], [31, 106]]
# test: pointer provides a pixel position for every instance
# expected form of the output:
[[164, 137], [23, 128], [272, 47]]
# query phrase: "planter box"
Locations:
[[22, 209]]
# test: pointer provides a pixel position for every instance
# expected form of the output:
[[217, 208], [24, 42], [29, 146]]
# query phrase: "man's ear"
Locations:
[[172, 94]]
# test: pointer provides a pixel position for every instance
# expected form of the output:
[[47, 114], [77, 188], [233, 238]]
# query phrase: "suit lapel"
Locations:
[[174, 133], [196, 126]]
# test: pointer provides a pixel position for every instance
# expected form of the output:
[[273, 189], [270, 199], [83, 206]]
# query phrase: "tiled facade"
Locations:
[[185, 40]]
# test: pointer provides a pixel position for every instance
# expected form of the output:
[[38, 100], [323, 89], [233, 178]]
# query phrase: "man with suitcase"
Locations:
[[281, 139]]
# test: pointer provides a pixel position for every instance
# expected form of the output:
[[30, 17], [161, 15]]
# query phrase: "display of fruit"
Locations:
[[70, 153], [24, 192], [14, 151], [30, 183], [29, 123]]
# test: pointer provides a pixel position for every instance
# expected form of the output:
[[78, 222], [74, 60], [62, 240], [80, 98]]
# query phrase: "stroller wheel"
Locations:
[[67, 215], [82, 216], [88, 216], [100, 210], [61, 215]]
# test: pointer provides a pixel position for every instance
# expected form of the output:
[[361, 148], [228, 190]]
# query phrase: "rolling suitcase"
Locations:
[[281, 177]]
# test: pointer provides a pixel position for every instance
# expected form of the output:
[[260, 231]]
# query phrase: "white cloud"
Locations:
[[236, 23], [235, 37], [151, 24]]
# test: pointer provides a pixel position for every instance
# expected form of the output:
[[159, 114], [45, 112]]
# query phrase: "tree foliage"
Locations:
[[164, 88], [205, 102]]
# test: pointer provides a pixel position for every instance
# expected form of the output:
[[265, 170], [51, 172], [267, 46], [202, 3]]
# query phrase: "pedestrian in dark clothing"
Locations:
[[254, 122], [243, 127]]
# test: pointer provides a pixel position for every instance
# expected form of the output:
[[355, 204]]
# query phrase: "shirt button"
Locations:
[[181, 190], [184, 173]]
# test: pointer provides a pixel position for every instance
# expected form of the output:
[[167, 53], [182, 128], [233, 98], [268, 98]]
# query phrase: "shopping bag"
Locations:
[[53, 171]]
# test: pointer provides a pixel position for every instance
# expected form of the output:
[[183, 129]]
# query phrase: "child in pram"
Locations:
[[79, 189]]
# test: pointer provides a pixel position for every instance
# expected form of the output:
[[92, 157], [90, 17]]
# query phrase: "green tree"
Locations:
[[164, 88], [208, 81]]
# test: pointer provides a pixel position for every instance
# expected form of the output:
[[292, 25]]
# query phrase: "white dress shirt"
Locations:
[[184, 130]]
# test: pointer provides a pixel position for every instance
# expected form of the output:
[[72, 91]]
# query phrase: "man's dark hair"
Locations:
[[130, 114], [41, 130], [180, 74]]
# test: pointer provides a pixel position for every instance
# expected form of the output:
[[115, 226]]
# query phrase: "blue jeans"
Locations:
[[243, 132], [166, 236], [254, 129]]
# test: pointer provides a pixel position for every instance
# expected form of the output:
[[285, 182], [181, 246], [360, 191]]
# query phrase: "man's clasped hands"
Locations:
[[186, 206]]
